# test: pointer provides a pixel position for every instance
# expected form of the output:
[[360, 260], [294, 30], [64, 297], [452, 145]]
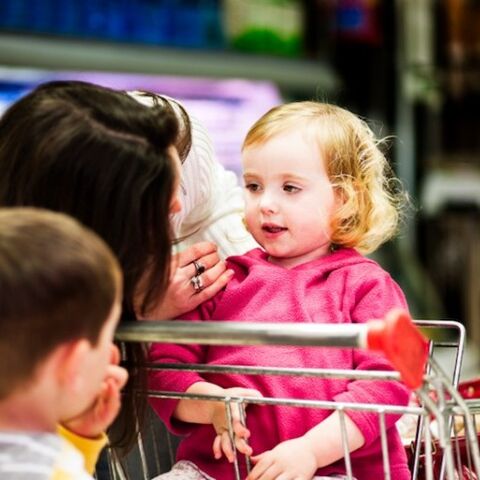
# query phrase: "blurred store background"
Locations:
[[410, 66]]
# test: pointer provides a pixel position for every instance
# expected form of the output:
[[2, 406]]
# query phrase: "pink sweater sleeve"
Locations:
[[176, 381], [373, 299]]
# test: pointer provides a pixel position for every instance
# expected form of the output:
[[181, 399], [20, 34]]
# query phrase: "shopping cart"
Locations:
[[438, 448]]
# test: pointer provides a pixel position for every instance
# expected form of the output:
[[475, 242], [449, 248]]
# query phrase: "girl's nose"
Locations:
[[267, 204]]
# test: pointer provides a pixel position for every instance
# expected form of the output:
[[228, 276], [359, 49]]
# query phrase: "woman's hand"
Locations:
[[181, 295], [289, 460], [102, 412]]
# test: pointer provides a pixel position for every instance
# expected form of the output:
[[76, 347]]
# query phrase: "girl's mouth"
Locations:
[[273, 229]]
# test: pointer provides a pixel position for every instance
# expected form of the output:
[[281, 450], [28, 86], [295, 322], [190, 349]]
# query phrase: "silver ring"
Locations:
[[197, 283], [199, 268]]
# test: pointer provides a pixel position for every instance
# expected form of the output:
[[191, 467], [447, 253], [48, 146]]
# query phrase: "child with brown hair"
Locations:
[[59, 376]]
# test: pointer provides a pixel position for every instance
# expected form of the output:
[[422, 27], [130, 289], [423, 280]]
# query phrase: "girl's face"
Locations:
[[289, 199]]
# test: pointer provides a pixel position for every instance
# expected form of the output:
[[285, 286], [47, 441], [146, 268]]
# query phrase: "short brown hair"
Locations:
[[58, 283]]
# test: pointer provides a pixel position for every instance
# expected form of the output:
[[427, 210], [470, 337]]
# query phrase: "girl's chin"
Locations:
[[277, 257]]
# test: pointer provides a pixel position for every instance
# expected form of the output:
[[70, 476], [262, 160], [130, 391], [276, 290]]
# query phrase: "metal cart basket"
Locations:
[[443, 443]]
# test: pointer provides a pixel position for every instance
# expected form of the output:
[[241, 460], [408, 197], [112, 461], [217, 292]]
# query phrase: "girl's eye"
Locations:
[[252, 187], [291, 188]]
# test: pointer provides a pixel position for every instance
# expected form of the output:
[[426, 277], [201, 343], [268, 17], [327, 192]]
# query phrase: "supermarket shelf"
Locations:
[[61, 53]]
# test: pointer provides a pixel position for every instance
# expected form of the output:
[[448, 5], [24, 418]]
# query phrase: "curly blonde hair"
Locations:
[[372, 197]]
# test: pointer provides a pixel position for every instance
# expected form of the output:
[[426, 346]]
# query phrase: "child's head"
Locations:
[[328, 156], [60, 297]]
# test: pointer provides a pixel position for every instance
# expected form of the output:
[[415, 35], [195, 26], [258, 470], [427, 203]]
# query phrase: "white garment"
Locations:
[[212, 200], [186, 470], [39, 456]]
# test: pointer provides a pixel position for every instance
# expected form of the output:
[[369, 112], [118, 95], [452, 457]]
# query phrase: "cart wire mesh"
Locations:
[[443, 443]]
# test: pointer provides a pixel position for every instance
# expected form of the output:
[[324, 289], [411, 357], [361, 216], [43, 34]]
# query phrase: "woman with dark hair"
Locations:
[[112, 160], [108, 161]]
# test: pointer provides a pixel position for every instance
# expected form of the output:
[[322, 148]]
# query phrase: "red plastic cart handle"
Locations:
[[402, 343]]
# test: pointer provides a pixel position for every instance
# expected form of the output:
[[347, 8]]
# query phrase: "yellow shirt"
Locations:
[[89, 448]]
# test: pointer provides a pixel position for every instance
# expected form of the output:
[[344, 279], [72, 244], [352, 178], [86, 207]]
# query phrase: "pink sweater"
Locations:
[[343, 287]]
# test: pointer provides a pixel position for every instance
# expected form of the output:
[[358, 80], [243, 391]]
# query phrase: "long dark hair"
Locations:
[[102, 157], [183, 143]]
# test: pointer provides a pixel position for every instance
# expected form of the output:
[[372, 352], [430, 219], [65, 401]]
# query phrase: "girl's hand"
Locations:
[[222, 443], [94, 421], [181, 296], [289, 460]]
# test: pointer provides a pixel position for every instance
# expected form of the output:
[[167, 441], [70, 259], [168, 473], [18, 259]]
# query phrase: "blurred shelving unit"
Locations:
[[438, 72], [310, 77]]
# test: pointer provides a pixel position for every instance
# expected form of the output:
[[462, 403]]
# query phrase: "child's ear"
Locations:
[[72, 360], [340, 196]]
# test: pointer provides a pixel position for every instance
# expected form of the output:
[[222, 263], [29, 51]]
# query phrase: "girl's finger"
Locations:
[[240, 430], [243, 446], [245, 392], [257, 458], [217, 447], [271, 472], [227, 447], [260, 468]]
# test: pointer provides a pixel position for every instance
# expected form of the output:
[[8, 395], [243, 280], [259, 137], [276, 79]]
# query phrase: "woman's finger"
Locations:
[[195, 252], [211, 290], [207, 262], [211, 275]]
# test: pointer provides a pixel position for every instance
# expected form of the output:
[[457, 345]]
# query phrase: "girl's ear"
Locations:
[[340, 196], [71, 361]]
